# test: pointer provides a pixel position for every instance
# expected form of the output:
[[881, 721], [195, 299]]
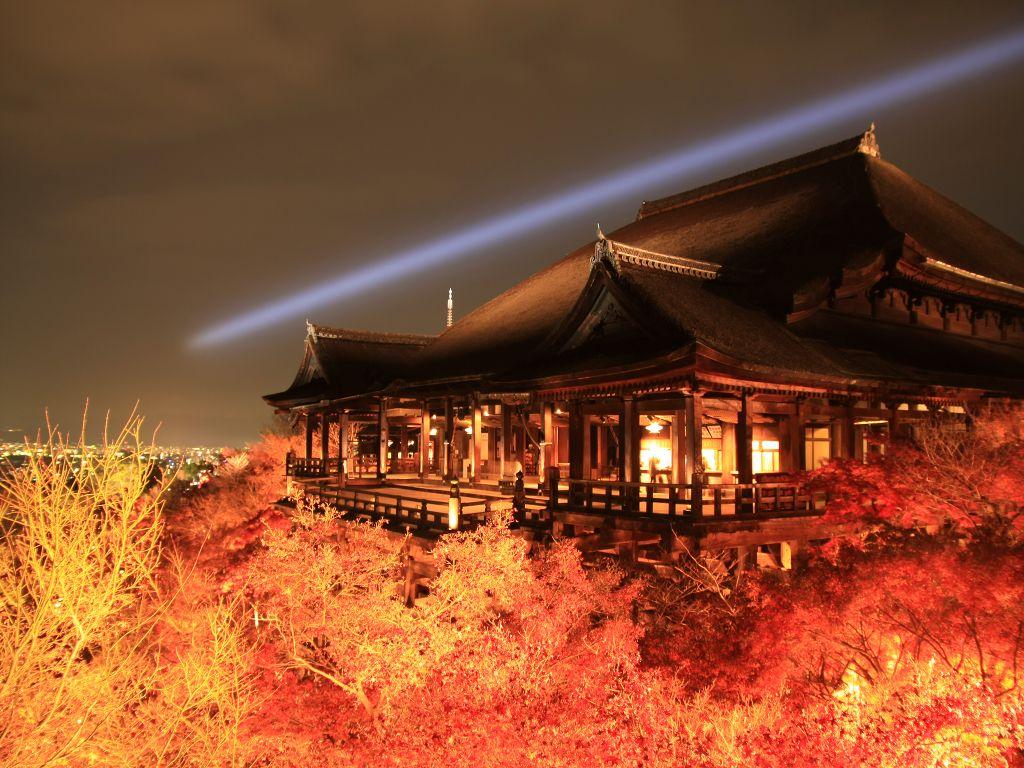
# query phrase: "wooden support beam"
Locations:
[[601, 448], [382, 435], [787, 554], [548, 455], [588, 450], [679, 463], [744, 437], [424, 440], [343, 448], [850, 433], [449, 439], [522, 438], [309, 435], [474, 441], [506, 441], [795, 448], [577, 442], [630, 440], [325, 437], [693, 419]]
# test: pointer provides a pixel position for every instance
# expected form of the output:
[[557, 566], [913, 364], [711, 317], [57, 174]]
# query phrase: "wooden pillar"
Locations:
[[602, 447], [795, 452], [630, 440], [588, 447], [576, 441], [424, 444], [449, 439], [343, 448], [679, 462], [325, 438], [309, 436], [506, 441], [476, 424], [744, 436], [382, 439], [548, 426], [850, 432], [523, 438], [693, 419], [788, 552]]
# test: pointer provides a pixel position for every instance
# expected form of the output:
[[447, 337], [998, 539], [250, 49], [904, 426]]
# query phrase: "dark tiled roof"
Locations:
[[775, 231], [341, 362], [862, 347]]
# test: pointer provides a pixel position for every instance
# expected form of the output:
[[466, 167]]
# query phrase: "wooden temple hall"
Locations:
[[675, 370]]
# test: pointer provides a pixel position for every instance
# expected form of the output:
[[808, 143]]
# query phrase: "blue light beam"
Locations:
[[914, 82]]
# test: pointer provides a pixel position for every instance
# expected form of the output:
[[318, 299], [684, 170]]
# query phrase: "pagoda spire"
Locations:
[[451, 311]]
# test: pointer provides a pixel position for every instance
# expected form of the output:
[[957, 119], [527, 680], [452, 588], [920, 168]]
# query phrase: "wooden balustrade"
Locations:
[[409, 508], [669, 500], [296, 466]]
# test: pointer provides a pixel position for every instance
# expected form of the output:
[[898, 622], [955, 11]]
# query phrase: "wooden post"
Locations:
[[523, 438], [679, 463], [602, 447], [309, 435], [630, 440], [548, 425], [693, 419], [325, 438], [343, 457], [474, 441], [449, 439], [576, 441], [795, 454], [787, 554], [588, 448], [850, 432], [506, 441], [744, 436], [424, 440], [382, 434]]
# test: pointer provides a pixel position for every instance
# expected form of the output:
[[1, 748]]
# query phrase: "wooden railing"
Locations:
[[409, 508], [668, 500], [314, 467], [296, 466]]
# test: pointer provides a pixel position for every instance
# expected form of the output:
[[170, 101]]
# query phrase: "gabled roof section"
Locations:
[[604, 313], [340, 362], [721, 267], [865, 144]]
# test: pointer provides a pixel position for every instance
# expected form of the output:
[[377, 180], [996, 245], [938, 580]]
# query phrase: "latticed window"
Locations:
[[765, 456], [817, 445], [711, 447]]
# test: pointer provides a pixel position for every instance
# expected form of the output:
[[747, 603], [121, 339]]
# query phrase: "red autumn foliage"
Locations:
[[289, 643], [969, 477]]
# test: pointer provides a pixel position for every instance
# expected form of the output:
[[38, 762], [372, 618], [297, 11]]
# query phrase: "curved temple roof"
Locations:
[[725, 266]]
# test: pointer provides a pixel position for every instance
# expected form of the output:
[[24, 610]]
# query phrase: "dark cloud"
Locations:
[[165, 165]]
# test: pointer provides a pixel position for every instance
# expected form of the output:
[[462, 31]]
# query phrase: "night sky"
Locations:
[[163, 167]]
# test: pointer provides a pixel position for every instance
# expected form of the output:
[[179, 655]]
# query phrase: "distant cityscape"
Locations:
[[193, 466]]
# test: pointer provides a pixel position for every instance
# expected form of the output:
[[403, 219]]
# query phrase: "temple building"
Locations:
[[677, 368]]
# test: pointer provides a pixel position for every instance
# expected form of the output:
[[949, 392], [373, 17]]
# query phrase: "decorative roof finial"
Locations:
[[600, 234], [310, 330], [869, 144], [451, 311]]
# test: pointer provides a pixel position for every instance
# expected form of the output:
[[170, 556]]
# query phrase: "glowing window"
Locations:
[[817, 445], [712, 459], [765, 456]]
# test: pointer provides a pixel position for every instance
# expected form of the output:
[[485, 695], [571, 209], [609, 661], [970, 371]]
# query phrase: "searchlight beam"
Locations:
[[914, 82]]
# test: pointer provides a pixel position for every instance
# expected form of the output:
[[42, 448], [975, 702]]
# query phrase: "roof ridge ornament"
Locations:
[[310, 330], [602, 250], [614, 253], [869, 143]]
